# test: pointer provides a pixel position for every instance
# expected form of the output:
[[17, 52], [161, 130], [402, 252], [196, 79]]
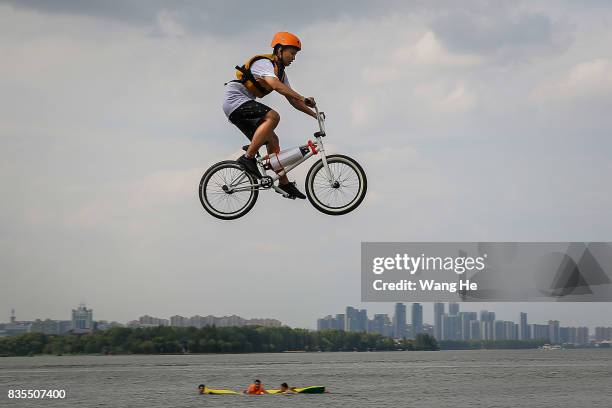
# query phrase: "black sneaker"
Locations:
[[292, 190], [250, 165]]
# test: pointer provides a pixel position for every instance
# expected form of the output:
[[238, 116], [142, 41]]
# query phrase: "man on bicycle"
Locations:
[[259, 76]]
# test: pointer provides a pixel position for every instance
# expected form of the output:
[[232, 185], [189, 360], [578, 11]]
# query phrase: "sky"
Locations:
[[474, 121]]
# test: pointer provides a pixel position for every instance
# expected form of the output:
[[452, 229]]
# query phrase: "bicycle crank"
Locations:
[[266, 182]]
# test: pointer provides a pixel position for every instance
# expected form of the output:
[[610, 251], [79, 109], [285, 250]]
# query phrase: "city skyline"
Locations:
[[459, 325], [82, 321], [452, 325], [428, 313], [83, 314]]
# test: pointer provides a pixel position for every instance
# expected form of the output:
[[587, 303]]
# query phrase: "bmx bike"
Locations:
[[335, 185]]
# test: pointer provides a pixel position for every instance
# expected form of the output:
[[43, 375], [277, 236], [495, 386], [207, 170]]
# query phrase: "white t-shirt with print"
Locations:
[[236, 93]]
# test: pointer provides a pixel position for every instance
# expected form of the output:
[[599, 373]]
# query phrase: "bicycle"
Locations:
[[335, 184]]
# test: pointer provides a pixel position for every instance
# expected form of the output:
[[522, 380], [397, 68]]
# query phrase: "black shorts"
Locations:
[[248, 116]]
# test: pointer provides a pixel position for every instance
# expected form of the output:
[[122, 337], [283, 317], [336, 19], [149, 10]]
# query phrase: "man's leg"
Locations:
[[264, 133], [283, 182], [274, 147]]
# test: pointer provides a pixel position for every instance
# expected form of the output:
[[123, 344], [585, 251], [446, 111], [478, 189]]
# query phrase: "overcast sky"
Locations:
[[475, 121]]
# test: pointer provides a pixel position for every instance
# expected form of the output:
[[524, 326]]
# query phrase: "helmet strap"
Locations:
[[279, 59]]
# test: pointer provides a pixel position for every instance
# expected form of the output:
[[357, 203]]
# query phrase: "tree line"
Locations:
[[211, 339]]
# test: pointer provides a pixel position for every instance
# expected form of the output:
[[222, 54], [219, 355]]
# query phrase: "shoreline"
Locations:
[[604, 349]]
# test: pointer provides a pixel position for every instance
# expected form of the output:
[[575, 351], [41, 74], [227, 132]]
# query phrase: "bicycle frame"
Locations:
[[318, 144]]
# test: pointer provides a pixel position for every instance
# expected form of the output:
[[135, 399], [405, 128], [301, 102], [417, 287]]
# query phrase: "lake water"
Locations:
[[526, 378]]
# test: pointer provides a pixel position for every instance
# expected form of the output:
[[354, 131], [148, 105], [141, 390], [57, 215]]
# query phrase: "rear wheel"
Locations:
[[344, 192], [216, 193]]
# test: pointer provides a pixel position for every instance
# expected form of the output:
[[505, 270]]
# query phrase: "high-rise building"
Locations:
[[486, 330], [582, 336], [46, 326], [567, 335], [417, 319], [553, 331], [340, 322], [330, 322], [453, 309], [356, 320], [486, 316], [325, 323], [438, 314], [474, 330], [539, 332], [511, 331], [350, 317], [523, 327], [451, 327], [82, 319], [399, 321], [465, 319], [498, 331], [603, 333], [505, 330], [150, 321], [179, 321], [65, 326], [574, 335], [381, 324], [362, 320], [487, 325]]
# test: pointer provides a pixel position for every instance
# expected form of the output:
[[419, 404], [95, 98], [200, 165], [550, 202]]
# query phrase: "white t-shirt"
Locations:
[[236, 93]]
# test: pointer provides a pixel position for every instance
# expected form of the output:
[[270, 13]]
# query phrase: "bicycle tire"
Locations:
[[317, 198], [209, 203]]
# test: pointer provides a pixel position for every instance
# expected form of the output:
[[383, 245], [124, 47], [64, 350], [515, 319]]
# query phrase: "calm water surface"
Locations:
[[560, 379]]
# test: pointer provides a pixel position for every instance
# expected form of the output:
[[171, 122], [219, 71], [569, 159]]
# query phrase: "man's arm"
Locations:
[[295, 99], [301, 106]]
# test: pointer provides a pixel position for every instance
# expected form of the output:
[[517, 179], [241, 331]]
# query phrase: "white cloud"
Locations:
[[428, 50], [443, 98], [590, 79], [169, 24], [361, 111], [136, 201]]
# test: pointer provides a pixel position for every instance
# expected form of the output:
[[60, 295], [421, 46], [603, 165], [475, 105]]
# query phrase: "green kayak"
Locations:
[[315, 389]]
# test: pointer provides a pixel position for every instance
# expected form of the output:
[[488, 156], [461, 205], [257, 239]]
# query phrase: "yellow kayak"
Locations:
[[220, 392]]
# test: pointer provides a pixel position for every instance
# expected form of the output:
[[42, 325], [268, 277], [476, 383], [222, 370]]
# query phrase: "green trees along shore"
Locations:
[[161, 340]]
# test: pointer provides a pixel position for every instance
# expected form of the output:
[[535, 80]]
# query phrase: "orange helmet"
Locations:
[[285, 38]]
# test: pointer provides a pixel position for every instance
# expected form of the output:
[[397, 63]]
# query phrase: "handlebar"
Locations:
[[321, 120]]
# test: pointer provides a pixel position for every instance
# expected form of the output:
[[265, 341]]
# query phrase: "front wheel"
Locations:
[[224, 190], [343, 192]]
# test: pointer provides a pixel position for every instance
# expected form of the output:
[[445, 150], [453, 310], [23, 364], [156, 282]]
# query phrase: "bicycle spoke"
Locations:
[[223, 201], [346, 180]]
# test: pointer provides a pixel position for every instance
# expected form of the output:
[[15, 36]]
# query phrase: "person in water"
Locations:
[[256, 388], [285, 389], [202, 389]]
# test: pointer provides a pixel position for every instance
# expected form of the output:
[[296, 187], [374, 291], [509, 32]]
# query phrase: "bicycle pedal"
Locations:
[[285, 195]]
